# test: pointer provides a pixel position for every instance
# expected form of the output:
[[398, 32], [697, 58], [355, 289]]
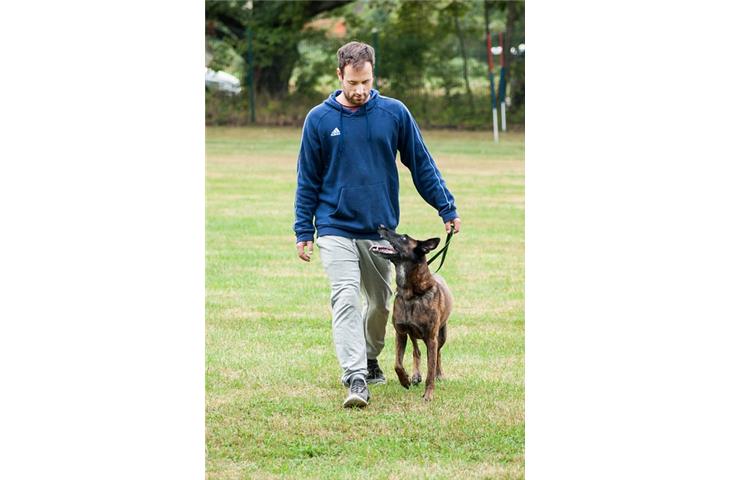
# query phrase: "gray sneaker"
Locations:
[[375, 374], [359, 394]]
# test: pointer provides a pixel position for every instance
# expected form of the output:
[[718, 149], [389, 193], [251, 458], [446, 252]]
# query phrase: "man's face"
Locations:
[[356, 83]]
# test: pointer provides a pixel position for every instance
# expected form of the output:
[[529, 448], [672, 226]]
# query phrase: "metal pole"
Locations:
[[251, 98], [502, 84], [376, 47], [495, 124]]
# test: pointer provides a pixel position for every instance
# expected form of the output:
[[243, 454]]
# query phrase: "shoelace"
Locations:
[[358, 386]]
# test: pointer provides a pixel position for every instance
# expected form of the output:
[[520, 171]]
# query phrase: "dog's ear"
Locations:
[[428, 245]]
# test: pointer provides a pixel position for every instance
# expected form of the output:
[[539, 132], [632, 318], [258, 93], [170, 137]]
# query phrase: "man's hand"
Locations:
[[305, 253], [457, 225]]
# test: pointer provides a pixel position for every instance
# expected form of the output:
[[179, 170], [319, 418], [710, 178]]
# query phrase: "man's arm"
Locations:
[[309, 181], [426, 176]]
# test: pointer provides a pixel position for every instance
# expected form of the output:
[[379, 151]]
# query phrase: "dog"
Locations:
[[421, 308]]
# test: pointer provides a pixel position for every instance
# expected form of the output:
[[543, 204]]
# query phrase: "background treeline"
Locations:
[[430, 54]]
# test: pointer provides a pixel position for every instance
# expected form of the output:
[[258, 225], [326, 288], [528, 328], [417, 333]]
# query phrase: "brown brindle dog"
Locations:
[[422, 305]]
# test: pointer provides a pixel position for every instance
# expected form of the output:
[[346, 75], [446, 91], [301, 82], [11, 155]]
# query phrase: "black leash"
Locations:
[[443, 250]]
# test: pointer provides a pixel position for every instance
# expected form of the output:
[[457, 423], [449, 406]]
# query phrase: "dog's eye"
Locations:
[[403, 238]]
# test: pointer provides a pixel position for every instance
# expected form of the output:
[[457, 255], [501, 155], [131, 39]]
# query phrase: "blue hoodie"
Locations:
[[347, 177]]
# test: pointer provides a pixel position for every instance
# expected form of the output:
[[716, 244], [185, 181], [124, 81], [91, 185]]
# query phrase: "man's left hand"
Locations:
[[457, 225]]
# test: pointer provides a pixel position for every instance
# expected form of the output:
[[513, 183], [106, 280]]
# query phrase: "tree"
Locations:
[[516, 70], [457, 10], [513, 13], [277, 26]]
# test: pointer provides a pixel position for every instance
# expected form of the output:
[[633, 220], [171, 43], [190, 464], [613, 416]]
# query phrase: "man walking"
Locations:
[[347, 182]]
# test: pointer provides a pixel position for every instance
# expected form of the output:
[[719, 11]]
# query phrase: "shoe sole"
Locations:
[[375, 381], [355, 401]]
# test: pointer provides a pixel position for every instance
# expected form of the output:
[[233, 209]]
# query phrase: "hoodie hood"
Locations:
[[369, 105], [362, 110]]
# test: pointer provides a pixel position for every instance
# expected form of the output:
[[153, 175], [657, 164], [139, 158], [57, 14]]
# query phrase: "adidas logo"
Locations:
[[335, 132]]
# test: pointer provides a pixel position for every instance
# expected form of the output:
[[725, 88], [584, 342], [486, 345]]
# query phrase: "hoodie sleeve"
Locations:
[[309, 181], [426, 176]]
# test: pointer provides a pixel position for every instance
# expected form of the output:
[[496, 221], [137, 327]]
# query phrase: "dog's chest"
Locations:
[[400, 274], [414, 315]]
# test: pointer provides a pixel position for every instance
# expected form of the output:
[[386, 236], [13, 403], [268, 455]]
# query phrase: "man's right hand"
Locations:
[[304, 249]]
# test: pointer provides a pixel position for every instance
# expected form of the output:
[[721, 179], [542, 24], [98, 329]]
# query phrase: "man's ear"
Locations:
[[339, 73], [428, 245]]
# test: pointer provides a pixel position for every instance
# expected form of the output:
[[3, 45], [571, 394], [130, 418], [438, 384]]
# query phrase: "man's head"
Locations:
[[355, 71]]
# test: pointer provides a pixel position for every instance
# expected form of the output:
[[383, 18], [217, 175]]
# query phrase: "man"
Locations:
[[347, 180]]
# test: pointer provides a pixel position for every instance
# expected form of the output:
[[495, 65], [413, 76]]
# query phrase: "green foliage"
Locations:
[[423, 50], [276, 27], [315, 72], [225, 58]]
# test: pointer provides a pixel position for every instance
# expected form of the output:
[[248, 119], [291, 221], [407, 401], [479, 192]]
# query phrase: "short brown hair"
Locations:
[[355, 54]]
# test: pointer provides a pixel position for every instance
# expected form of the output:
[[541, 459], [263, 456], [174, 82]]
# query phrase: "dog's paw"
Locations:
[[403, 378], [428, 396], [416, 378]]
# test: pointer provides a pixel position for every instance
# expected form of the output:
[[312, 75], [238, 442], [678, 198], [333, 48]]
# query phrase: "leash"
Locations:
[[443, 250]]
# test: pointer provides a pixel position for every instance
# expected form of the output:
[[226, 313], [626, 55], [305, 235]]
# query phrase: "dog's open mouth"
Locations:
[[383, 250]]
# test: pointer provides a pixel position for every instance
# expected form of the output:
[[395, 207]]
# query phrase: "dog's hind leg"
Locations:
[[400, 349], [431, 354], [442, 340], [416, 378]]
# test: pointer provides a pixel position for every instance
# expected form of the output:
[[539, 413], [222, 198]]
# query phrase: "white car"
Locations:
[[222, 81]]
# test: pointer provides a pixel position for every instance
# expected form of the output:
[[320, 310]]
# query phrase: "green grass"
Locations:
[[273, 396]]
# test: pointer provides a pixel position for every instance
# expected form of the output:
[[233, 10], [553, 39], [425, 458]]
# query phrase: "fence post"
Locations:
[[495, 121], [502, 83], [251, 97]]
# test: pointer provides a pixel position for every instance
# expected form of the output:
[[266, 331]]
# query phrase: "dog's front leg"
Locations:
[[416, 378], [432, 353], [442, 340], [400, 349]]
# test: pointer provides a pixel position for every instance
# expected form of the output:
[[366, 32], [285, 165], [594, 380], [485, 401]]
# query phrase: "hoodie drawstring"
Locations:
[[332, 101], [340, 142], [367, 121]]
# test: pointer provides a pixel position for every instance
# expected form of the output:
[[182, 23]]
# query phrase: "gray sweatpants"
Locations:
[[359, 332]]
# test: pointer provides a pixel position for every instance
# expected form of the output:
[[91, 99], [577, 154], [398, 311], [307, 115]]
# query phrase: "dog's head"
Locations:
[[402, 247]]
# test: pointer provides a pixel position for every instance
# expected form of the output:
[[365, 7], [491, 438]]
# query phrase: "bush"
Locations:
[[429, 110]]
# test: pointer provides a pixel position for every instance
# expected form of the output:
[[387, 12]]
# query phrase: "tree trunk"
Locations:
[[486, 29], [511, 18], [274, 79], [460, 34], [486, 16], [516, 69]]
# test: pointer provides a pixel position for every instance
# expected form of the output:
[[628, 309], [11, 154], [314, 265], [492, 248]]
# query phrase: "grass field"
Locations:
[[273, 396]]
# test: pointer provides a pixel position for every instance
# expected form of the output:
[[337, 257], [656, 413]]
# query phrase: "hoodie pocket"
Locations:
[[364, 207]]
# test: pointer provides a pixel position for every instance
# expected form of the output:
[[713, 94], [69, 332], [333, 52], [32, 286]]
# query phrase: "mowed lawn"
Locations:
[[273, 396]]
